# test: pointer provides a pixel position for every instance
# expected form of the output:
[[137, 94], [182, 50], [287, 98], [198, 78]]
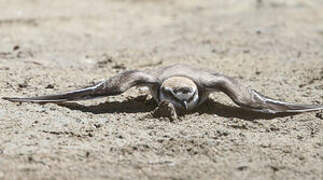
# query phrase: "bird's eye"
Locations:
[[168, 92]]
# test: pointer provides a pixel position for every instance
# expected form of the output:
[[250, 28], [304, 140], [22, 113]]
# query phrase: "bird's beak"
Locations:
[[185, 105]]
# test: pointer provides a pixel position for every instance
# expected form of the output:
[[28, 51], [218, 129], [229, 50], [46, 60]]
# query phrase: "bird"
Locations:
[[183, 86]]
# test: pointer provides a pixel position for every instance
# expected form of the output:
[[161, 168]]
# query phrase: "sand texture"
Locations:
[[47, 46]]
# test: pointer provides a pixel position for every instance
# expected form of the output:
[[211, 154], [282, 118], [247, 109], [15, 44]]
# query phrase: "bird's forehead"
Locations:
[[175, 82]]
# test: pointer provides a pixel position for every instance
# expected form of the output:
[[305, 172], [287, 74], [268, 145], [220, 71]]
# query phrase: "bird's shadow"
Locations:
[[142, 104], [131, 105]]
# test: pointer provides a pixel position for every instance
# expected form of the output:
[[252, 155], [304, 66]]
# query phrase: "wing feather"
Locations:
[[113, 86], [251, 99]]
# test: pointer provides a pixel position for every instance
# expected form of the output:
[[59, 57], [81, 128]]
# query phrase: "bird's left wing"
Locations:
[[114, 86]]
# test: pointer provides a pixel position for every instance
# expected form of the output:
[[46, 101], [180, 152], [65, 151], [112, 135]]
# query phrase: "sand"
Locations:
[[46, 47]]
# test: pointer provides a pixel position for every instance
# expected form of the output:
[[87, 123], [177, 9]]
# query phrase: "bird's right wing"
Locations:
[[114, 86], [251, 99]]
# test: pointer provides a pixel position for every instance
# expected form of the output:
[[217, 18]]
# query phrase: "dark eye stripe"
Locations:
[[170, 94], [184, 90]]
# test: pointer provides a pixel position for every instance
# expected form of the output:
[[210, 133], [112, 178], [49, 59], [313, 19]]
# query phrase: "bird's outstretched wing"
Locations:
[[251, 99], [114, 86]]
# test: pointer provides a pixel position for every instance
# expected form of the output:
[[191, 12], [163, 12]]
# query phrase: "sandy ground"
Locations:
[[46, 47]]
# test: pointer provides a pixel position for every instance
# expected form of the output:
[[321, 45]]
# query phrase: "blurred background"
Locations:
[[71, 32]]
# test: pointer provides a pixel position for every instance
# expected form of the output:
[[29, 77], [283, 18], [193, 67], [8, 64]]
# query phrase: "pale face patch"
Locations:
[[180, 91]]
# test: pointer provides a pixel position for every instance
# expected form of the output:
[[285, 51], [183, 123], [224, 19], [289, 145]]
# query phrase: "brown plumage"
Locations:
[[183, 86]]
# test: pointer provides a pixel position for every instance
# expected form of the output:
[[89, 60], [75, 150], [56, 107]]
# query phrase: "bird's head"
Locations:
[[182, 92]]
